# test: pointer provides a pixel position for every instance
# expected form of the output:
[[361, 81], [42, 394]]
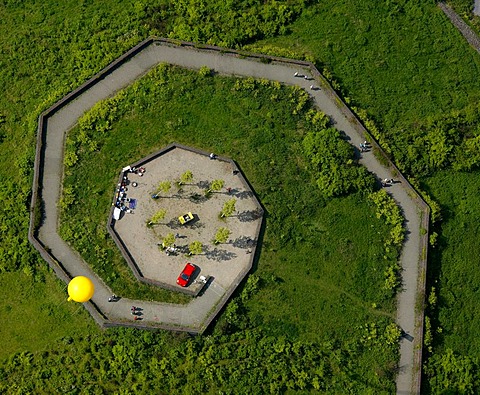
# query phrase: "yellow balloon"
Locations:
[[80, 289]]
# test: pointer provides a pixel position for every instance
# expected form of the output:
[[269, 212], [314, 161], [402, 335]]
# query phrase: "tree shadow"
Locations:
[[197, 198], [183, 249], [219, 255], [249, 215], [241, 194], [244, 242], [203, 184]]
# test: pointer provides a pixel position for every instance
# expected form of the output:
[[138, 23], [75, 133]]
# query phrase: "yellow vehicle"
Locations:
[[185, 218]]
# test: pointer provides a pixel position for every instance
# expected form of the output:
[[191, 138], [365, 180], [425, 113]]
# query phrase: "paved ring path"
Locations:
[[195, 313]]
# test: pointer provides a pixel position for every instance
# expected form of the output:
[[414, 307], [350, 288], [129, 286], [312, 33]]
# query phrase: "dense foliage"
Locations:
[[424, 104], [463, 7], [333, 160], [129, 362], [224, 23], [411, 77]]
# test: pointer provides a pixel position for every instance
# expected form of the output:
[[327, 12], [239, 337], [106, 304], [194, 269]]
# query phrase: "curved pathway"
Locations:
[[197, 314]]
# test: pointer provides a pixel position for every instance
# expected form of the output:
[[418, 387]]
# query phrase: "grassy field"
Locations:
[[36, 314], [409, 68], [401, 61], [453, 267], [454, 279], [326, 280], [251, 126]]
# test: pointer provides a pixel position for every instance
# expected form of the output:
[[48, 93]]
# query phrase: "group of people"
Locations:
[[140, 171], [136, 312], [121, 200], [306, 77], [171, 250]]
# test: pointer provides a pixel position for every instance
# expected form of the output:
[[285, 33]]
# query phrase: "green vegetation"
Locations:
[[215, 186], [336, 172], [228, 208], [164, 187], [186, 178], [127, 362], [453, 302], [228, 24], [425, 103], [195, 247], [462, 7], [297, 215], [400, 47], [157, 217], [221, 236], [390, 212], [37, 313], [404, 68], [168, 240], [49, 50]]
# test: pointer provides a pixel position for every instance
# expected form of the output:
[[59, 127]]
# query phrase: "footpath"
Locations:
[[196, 313]]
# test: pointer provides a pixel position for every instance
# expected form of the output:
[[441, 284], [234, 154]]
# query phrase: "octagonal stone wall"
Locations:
[[225, 263]]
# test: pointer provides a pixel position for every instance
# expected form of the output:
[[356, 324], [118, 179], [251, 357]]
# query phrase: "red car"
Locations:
[[185, 275]]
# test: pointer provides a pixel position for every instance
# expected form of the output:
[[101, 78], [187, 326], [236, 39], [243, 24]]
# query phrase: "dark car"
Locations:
[[186, 274]]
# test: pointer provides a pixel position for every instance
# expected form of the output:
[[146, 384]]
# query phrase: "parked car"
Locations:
[[184, 277], [185, 218]]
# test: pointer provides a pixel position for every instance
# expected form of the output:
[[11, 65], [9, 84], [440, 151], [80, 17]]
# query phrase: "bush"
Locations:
[[205, 71], [332, 162]]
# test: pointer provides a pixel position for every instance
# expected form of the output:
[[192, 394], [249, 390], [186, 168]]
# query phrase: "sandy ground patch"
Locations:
[[224, 261]]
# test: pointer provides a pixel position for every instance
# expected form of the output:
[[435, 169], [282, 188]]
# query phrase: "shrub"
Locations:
[[205, 71], [332, 162]]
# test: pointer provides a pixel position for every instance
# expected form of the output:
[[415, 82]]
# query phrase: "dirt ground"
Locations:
[[223, 261]]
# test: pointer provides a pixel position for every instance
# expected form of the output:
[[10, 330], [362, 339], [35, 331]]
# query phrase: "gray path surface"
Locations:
[[476, 8], [195, 312], [461, 25]]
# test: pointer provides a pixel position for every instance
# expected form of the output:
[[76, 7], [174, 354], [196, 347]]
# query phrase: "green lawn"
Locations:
[[453, 272], [36, 314], [410, 68], [324, 284], [457, 279], [401, 61]]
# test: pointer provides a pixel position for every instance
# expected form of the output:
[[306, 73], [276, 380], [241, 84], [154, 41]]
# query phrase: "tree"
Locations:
[[228, 208], [164, 186], [186, 177], [169, 240], [221, 236], [157, 217], [195, 248], [215, 186]]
